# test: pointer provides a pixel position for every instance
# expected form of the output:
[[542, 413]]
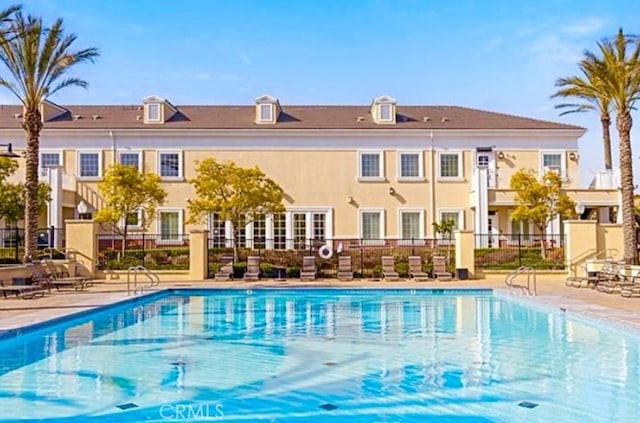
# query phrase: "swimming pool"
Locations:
[[321, 355]]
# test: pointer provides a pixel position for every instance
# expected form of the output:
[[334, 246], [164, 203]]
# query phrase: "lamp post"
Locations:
[[9, 152]]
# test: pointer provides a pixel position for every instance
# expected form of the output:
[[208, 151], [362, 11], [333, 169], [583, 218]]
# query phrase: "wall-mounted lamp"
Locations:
[[349, 199], [580, 209], [500, 155], [573, 155], [9, 153], [392, 191]]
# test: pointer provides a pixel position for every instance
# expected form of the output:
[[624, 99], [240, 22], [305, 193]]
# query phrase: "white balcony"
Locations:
[[68, 181], [575, 179]]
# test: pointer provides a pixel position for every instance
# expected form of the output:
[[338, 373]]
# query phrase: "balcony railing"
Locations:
[[575, 179]]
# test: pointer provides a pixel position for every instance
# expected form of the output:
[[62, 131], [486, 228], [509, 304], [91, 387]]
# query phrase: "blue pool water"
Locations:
[[321, 355]]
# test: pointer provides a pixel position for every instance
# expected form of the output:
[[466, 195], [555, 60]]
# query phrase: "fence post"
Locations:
[[143, 254], [17, 245], [361, 260]]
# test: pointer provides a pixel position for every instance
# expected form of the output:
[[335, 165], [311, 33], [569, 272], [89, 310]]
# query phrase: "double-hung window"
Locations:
[[89, 164], [49, 159], [130, 159], [170, 164], [552, 162], [370, 166], [410, 165], [455, 215], [450, 165], [385, 112]]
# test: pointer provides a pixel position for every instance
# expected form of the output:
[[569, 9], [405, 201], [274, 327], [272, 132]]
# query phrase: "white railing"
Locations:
[[576, 179]]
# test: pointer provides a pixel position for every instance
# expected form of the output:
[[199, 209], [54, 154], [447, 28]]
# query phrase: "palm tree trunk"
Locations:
[[32, 125], [605, 120], [623, 124]]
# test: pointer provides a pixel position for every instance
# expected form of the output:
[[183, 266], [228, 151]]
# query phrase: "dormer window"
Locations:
[[266, 113], [267, 109], [158, 110], [153, 112], [383, 110]]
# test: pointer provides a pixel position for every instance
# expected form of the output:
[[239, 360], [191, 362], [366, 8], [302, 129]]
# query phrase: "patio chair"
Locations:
[[611, 277], [22, 289], [345, 273], [308, 272], [225, 272], [253, 269], [389, 269], [41, 274], [415, 269], [632, 289], [440, 269]]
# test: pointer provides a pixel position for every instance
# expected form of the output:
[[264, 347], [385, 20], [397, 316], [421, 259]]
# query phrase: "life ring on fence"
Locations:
[[325, 252]]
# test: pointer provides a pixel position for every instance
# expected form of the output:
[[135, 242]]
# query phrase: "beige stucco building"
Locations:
[[376, 171]]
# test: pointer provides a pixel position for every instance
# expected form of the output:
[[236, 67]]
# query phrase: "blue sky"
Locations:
[[498, 55]]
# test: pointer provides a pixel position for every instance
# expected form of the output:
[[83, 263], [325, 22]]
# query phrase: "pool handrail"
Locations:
[[141, 270], [530, 272]]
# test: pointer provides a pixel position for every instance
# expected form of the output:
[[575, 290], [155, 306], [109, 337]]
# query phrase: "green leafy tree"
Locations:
[[37, 59], [445, 228], [126, 192], [12, 199], [235, 193], [539, 201]]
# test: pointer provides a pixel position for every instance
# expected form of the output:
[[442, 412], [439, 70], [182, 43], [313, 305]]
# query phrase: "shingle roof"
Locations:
[[292, 117]]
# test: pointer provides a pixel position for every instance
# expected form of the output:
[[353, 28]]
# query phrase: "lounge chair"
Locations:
[[440, 269], [225, 273], [345, 273], [631, 289], [415, 269], [611, 277], [308, 272], [253, 269], [41, 274], [388, 269], [22, 289]]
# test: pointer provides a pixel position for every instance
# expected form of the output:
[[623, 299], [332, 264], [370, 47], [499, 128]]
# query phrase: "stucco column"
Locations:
[[465, 251], [198, 254], [81, 241], [581, 244]]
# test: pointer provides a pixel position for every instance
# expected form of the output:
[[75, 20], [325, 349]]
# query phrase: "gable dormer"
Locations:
[[267, 110], [383, 110], [50, 111], [157, 109]]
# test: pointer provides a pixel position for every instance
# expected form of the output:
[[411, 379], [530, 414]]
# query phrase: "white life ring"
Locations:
[[325, 252]]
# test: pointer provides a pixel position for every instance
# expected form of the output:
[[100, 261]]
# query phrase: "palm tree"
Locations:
[[37, 59], [619, 81], [586, 89]]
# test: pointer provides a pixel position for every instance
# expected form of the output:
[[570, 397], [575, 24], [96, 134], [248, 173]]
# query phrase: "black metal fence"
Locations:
[[153, 251], [284, 257], [12, 242], [510, 251]]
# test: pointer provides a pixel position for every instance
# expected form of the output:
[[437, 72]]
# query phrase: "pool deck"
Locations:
[[17, 312]]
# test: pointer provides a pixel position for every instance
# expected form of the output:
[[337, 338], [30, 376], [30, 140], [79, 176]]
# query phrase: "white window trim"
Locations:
[[180, 212], [308, 212], [460, 176], [391, 112], [137, 152], [381, 176], [270, 106], [421, 234], [147, 114], [180, 176], [450, 210], [563, 161], [79, 153], [134, 227], [420, 176], [60, 154], [382, 235]]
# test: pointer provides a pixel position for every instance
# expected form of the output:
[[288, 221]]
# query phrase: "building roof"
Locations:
[[291, 117]]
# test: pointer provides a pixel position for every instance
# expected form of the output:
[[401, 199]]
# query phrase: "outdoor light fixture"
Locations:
[[501, 155], [580, 209], [573, 155], [392, 191], [9, 153]]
